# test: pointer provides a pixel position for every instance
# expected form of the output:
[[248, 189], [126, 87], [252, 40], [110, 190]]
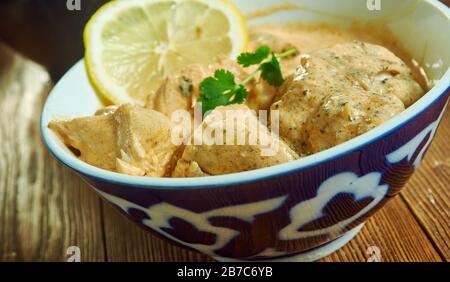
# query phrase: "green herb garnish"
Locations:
[[271, 72], [250, 59], [222, 90]]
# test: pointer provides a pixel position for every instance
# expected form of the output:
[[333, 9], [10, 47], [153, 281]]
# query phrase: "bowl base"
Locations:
[[312, 255]]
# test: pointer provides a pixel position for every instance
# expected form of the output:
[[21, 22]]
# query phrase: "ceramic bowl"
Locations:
[[301, 210]]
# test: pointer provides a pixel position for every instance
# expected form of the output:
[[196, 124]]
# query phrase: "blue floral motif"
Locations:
[[409, 150], [312, 209]]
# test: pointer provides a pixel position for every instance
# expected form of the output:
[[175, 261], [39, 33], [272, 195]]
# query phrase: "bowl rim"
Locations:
[[54, 145]]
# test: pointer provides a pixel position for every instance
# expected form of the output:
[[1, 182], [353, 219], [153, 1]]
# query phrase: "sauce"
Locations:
[[311, 37], [341, 83]]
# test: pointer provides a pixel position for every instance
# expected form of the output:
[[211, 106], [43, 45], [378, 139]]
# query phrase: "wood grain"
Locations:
[[428, 192], [393, 230], [125, 241], [44, 208]]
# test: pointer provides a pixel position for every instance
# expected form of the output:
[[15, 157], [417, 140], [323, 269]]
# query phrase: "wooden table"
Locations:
[[45, 208]]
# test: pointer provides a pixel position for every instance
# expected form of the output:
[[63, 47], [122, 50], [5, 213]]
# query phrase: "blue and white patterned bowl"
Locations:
[[307, 208]]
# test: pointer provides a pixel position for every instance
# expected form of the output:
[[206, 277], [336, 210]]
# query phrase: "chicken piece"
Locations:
[[180, 92], [127, 139], [335, 95], [185, 168], [375, 68], [342, 117], [92, 139], [261, 94], [230, 140], [144, 144], [106, 110]]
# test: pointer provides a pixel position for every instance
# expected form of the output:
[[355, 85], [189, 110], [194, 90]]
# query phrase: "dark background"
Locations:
[[46, 31]]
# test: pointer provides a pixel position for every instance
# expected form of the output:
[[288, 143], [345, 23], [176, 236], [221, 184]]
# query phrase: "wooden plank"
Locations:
[[395, 232], [125, 241], [44, 208], [428, 192]]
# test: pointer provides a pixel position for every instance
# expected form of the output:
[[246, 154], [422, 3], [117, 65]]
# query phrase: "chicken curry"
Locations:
[[339, 84]]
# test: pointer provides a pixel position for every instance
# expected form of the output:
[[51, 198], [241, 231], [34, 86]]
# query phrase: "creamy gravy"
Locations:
[[311, 37], [350, 81]]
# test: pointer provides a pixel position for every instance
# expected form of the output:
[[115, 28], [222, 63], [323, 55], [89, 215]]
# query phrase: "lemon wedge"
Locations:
[[132, 45]]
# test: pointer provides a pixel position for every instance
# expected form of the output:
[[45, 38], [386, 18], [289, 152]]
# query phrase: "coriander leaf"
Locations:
[[271, 72], [220, 90], [239, 96], [209, 105], [213, 87], [225, 77], [236, 97], [249, 59]]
